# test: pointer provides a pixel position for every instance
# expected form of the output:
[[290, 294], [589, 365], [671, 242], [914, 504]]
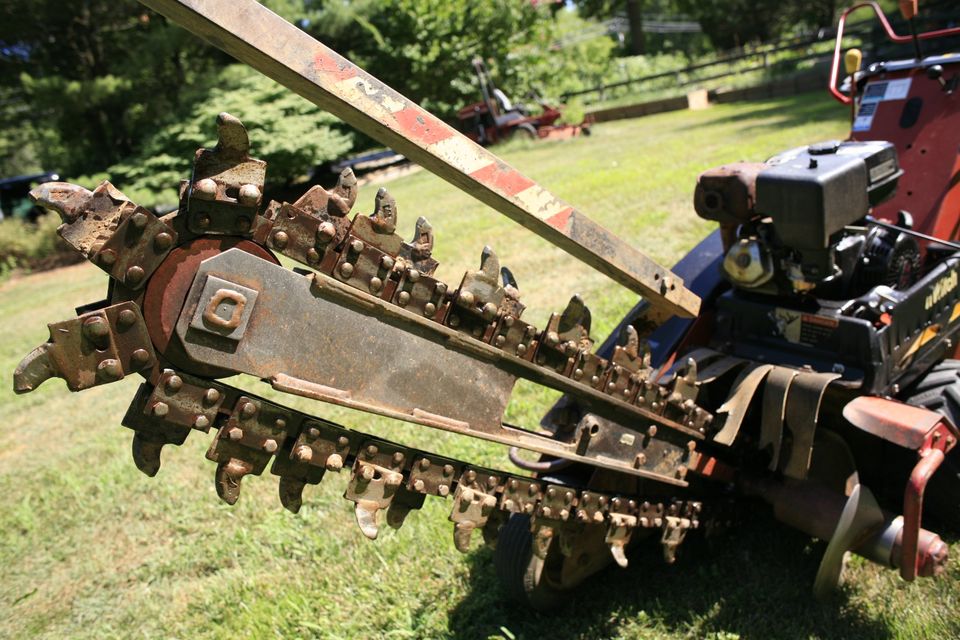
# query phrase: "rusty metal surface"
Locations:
[[397, 361], [902, 424], [95, 348], [260, 38]]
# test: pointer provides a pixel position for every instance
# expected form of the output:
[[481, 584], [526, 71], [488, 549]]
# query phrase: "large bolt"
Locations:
[[140, 358], [205, 189], [174, 384], [375, 284], [489, 311], [467, 299], [110, 369], [325, 232], [139, 220], [367, 473], [162, 241], [386, 262], [235, 434], [249, 195], [248, 410], [418, 485], [96, 328], [280, 239], [413, 275], [303, 453], [313, 256], [403, 298], [211, 396], [334, 462], [202, 422], [356, 246], [346, 269], [161, 409], [107, 257], [269, 445], [429, 309], [126, 319], [135, 275]]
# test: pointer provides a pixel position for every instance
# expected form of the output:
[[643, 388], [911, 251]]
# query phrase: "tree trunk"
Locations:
[[638, 45]]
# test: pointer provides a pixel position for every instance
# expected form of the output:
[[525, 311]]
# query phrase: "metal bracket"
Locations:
[[94, 348]]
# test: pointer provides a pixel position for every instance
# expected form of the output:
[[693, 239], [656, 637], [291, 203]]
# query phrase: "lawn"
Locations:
[[91, 548]]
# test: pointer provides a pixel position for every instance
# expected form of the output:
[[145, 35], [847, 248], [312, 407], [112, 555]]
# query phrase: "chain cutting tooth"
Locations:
[[319, 447], [473, 502], [403, 503], [419, 251], [377, 478], [246, 442]]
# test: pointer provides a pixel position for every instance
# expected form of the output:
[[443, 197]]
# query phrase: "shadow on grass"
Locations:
[[802, 110], [754, 581]]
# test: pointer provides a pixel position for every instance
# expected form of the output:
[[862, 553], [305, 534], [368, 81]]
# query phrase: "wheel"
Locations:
[[526, 578], [939, 390], [525, 131]]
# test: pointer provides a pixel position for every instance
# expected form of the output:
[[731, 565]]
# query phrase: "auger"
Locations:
[[777, 385]]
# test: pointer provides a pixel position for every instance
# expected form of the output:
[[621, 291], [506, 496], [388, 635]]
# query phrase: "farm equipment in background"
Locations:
[[496, 118], [797, 354]]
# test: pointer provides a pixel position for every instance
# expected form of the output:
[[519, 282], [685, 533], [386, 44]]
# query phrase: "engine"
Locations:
[[816, 282], [795, 225]]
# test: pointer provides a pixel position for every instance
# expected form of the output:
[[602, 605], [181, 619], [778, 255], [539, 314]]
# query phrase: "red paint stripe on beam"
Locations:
[[337, 68], [560, 220], [502, 179], [417, 124]]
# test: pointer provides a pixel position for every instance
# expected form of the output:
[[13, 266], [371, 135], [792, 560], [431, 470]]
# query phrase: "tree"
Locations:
[[424, 48], [291, 134], [90, 77]]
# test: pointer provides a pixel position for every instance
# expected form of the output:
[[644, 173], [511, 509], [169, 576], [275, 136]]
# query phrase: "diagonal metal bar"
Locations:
[[260, 38]]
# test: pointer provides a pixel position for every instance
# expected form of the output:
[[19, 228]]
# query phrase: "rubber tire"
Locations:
[[525, 131], [939, 390], [521, 573]]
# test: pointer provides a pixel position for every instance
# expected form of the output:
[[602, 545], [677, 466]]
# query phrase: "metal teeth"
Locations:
[[485, 310]]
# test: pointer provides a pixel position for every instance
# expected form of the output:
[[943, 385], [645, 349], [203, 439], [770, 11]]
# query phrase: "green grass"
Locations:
[[90, 548]]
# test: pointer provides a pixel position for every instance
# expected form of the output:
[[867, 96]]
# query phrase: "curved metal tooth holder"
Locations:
[[473, 503], [419, 251], [166, 413], [476, 305], [94, 348], [122, 238], [226, 188], [310, 229], [246, 442], [377, 479]]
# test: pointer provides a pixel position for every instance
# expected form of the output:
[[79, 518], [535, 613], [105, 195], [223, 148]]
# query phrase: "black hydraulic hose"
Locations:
[[539, 467]]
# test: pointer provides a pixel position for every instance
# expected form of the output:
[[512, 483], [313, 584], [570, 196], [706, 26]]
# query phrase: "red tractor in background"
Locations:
[[497, 118]]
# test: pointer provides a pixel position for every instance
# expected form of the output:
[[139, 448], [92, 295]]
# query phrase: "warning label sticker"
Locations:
[[875, 93], [865, 116], [803, 328]]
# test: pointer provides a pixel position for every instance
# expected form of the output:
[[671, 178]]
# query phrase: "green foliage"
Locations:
[[423, 48], [90, 78], [25, 245], [551, 72], [291, 134]]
